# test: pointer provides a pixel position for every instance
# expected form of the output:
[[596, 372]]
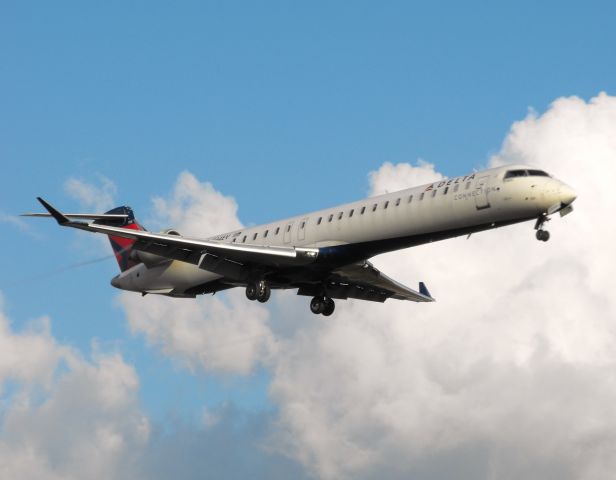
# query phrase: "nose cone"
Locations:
[[567, 194]]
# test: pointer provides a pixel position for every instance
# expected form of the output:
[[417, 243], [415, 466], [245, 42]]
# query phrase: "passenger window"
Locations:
[[351, 213], [265, 234], [254, 237], [340, 216], [421, 197], [331, 217], [374, 207], [244, 239], [445, 191], [288, 228], [410, 198], [363, 209], [386, 205], [234, 240], [319, 220], [433, 193], [397, 202], [302, 225], [277, 230]]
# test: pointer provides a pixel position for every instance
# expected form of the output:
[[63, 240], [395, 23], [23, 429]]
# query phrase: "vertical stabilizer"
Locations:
[[122, 247]]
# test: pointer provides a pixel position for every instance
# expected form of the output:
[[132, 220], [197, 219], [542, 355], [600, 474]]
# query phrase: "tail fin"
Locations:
[[122, 247]]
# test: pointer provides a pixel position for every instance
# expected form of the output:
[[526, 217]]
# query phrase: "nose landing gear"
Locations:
[[542, 235], [322, 305]]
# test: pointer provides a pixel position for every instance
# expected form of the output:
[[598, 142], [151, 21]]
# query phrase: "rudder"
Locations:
[[122, 247]]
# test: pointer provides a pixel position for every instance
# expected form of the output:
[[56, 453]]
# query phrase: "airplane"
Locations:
[[325, 254]]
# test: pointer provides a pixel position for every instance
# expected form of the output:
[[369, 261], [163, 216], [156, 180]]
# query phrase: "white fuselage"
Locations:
[[442, 209]]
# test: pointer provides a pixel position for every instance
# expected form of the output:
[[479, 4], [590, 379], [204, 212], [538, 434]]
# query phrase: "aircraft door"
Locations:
[[482, 189], [301, 229], [287, 232]]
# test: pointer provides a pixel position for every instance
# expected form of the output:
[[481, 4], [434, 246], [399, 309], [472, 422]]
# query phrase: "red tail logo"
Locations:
[[122, 247]]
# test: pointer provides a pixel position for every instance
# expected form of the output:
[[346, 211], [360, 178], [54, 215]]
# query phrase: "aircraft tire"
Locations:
[[330, 306], [263, 294], [251, 291], [317, 305]]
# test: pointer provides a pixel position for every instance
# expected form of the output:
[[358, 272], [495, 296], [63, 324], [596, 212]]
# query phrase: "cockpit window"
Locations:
[[515, 173], [525, 173], [537, 173]]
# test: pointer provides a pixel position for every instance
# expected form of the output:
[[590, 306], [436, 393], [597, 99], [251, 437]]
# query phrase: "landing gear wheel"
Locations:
[[263, 292], [317, 305], [329, 307], [251, 291], [542, 235]]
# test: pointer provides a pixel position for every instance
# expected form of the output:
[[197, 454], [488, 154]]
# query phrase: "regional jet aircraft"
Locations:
[[325, 254]]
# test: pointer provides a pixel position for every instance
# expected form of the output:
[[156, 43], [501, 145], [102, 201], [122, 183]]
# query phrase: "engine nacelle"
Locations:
[[150, 259]]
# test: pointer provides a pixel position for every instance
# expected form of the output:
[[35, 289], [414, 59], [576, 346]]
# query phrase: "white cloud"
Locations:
[[16, 222], [196, 209], [391, 178], [223, 333], [64, 416], [510, 374], [91, 196]]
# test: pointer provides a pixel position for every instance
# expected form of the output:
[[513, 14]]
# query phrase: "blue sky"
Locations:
[[285, 106]]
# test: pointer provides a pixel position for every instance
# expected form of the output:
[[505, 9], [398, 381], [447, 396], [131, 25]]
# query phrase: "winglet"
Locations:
[[61, 219], [424, 290]]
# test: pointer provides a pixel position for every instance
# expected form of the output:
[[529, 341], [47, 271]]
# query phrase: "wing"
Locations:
[[364, 282], [361, 281], [225, 259]]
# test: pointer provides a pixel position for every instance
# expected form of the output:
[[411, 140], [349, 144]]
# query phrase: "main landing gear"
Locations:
[[322, 305], [542, 235], [260, 291]]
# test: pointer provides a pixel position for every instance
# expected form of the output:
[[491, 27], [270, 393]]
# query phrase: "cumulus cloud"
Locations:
[[64, 416], [229, 447], [222, 333], [390, 177], [510, 374], [196, 208], [98, 196]]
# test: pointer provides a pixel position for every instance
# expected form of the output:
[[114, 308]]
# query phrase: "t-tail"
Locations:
[[122, 247], [118, 217]]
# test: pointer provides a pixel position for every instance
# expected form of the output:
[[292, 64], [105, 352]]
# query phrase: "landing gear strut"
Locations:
[[542, 235], [322, 305], [260, 291]]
